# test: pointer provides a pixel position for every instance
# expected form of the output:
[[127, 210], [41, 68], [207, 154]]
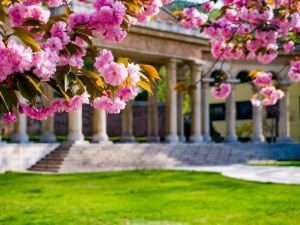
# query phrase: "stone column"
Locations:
[[99, 126], [171, 109], [257, 136], [47, 134], [284, 120], [153, 128], [231, 117], [196, 135], [205, 109], [180, 101], [127, 129], [75, 126], [20, 126]]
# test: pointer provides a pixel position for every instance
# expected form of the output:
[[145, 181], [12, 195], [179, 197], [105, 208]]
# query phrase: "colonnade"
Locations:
[[200, 115]]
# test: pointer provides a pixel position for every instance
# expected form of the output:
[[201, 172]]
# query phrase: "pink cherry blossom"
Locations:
[[114, 73], [263, 79], [53, 43], [134, 72], [108, 104], [45, 63], [193, 18], [105, 58], [222, 91], [267, 96], [289, 46], [59, 29], [9, 117], [294, 71], [128, 93]]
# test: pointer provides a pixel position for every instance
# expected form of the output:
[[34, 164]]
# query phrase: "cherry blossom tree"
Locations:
[[39, 50], [249, 29]]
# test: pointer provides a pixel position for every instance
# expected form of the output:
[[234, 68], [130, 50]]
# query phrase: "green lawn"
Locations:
[[146, 198], [275, 163]]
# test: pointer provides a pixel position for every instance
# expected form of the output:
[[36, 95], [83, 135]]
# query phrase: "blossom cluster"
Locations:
[[268, 94], [221, 91], [60, 105], [116, 74], [38, 47], [294, 71], [15, 58], [109, 15], [253, 30]]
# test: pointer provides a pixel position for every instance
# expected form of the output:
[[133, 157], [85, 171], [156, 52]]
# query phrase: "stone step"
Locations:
[[50, 161], [53, 161]]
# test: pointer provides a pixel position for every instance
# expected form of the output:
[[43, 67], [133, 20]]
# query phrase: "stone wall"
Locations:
[[19, 157]]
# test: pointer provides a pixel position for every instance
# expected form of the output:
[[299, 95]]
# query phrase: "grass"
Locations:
[[274, 163], [145, 197]]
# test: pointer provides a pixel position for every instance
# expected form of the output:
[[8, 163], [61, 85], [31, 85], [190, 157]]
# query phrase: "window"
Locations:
[[244, 110], [217, 111], [273, 111]]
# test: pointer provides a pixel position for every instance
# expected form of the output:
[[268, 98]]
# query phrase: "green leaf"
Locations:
[[33, 22], [36, 85], [3, 14], [62, 72], [145, 85], [95, 76], [8, 97], [27, 38], [84, 37], [26, 89], [72, 48], [152, 73]]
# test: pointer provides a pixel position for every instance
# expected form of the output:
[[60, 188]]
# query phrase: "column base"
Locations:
[[101, 139], [19, 138], [128, 139], [48, 138], [196, 138], [258, 139], [75, 137], [77, 142], [231, 139], [182, 138], [153, 139], [207, 139], [284, 140], [172, 138]]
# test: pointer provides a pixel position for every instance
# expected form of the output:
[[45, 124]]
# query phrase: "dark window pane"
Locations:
[[217, 111], [273, 111], [244, 110]]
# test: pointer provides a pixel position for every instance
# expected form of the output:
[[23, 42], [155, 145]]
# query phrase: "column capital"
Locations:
[[197, 66], [233, 80], [207, 80], [172, 62]]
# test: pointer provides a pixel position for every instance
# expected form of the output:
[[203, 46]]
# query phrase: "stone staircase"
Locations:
[[102, 157], [53, 161]]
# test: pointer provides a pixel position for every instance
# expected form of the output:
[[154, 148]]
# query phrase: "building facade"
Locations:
[[163, 43]]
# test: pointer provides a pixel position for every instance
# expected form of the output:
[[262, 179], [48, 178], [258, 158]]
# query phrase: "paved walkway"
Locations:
[[274, 174]]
